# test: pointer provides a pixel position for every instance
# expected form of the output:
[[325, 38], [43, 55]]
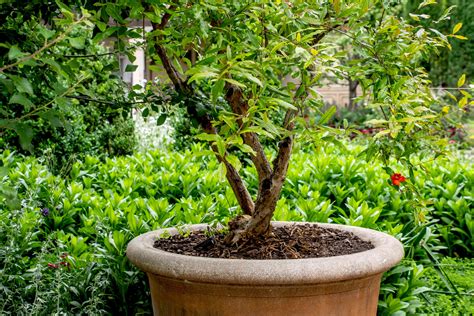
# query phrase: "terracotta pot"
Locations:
[[342, 285]]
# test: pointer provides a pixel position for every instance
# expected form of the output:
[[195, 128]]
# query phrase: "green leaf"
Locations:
[[327, 115], [208, 137], [131, 68], [206, 74], [161, 119], [15, 53], [53, 117], [337, 5], [252, 78], [457, 27], [146, 112], [217, 89], [65, 10], [114, 11], [77, 42], [246, 149], [25, 132], [382, 133], [462, 103], [22, 100], [376, 122], [54, 65], [462, 80], [221, 148], [235, 82], [282, 103], [23, 85], [460, 37], [426, 2]]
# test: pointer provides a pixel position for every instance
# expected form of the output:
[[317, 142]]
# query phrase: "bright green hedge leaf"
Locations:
[[327, 115]]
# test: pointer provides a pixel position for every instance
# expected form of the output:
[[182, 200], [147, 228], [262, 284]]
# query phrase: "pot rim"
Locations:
[[387, 252]]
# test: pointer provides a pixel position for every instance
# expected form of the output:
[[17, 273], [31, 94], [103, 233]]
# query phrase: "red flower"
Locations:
[[397, 178]]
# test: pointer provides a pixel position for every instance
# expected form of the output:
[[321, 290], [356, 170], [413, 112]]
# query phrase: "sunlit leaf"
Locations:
[[462, 80], [457, 27]]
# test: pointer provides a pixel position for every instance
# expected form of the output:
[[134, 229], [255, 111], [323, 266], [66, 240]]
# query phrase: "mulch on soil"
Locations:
[[290, 242]]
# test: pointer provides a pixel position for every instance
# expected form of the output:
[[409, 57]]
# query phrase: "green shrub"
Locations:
[[95, 209], [60, 105]]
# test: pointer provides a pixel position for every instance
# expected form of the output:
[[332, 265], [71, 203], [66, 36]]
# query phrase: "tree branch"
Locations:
[[240, 107], [171, 71], [238, 187]]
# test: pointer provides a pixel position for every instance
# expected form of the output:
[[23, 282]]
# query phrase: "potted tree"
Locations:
[[247, 71]]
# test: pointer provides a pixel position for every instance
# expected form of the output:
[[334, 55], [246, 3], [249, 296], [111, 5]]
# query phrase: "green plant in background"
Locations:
[[446, 66], [94, 211], [56, 101]]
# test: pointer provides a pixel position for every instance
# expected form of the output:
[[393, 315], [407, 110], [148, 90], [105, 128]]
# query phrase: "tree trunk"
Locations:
[[268, 195], [353, 84]]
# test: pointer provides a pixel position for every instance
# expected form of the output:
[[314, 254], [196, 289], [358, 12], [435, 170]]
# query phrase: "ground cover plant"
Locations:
[[64, 237]]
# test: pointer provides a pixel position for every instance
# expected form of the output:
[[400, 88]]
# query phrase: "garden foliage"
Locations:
[[64, 237], [446, 66], [60, 94]]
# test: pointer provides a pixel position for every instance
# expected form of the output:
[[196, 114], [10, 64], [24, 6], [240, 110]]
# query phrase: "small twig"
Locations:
[[51, 101], [80, 97], [90, 55]]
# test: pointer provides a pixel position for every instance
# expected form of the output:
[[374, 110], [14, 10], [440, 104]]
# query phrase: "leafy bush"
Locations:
[[64, 237], [67, 101]]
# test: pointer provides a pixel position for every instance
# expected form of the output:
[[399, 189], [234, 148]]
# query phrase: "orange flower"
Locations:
[[397, 179]]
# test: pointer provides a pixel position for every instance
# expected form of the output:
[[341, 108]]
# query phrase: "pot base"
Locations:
[[180, 297]]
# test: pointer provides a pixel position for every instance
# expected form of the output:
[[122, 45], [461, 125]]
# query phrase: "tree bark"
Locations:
[[353, 84], [240, 107], [235, 180]]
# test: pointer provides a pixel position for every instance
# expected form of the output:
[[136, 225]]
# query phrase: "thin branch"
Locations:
[[90, 55], [233, 177], [69, 90], [280, 164], [239, 106], [80, 97], [171, 71], [237, 184]]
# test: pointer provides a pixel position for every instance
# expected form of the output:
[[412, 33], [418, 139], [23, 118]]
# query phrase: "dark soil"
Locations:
[[290, 242]]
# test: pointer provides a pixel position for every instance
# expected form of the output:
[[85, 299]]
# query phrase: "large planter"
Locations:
[[343, 285]]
